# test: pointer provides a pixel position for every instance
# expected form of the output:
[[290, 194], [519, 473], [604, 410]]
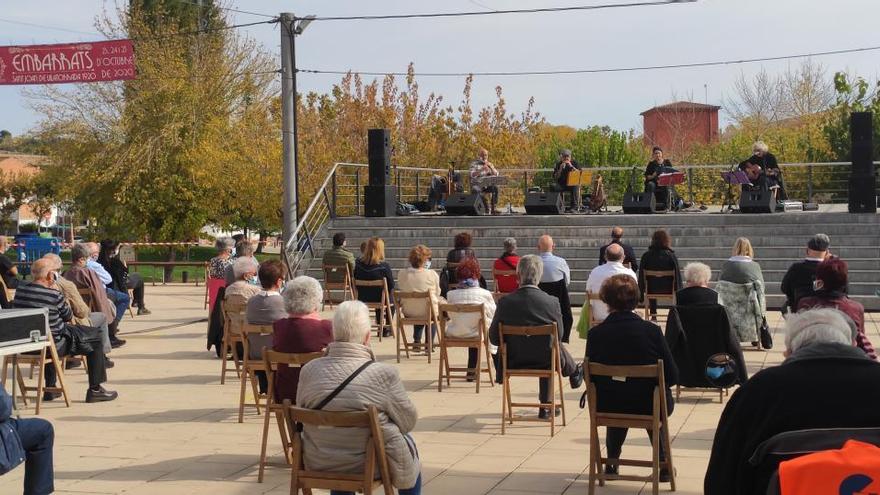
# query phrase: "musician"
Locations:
[[657, 166], [482, 167], [564, 166], [763, 169]]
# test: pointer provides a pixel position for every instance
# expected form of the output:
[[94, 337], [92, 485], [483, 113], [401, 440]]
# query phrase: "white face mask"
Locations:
[[427, 264]]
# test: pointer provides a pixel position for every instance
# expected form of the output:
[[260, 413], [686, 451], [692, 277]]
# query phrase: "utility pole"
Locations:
[[290, 209]]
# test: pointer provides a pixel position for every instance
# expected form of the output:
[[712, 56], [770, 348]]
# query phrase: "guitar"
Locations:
[[753, 171]]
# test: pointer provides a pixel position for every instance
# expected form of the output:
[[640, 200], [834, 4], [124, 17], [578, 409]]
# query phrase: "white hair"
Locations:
[[56, 260], [243, 266], [530, 269], [697, 273], [351, 322], [302, 295], [760, 146], [817, 326]]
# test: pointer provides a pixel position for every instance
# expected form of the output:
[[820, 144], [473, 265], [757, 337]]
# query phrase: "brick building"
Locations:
[[675, 127]]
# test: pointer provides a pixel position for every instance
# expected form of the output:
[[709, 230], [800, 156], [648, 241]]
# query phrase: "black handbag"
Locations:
[[764, 334], [74, 340]]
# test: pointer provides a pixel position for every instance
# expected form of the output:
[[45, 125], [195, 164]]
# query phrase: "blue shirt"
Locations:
[[555, 268], [105, 277]]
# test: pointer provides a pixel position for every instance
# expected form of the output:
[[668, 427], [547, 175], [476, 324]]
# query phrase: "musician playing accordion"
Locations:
[[563, 168], [480, 168]]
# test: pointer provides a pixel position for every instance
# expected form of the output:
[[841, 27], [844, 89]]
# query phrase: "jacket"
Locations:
[[379, 385], [506, 283], [363, 271], [739, 271], [85, 278], [690, 296], [79, 307], [819, 386], [745, 307], [242, 288], [464, 325], [11, 451], [656, 259], [853, 309], [559, 290], [694, 333], [798, 282], [297, 335], [338, 256], [418, 280]]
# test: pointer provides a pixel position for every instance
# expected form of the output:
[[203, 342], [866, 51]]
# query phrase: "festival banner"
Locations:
[[67, 63]]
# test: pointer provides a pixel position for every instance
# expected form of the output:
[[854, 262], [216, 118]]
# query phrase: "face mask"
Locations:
[[817, 284], [254, 280], [427, 264], [232, 253]]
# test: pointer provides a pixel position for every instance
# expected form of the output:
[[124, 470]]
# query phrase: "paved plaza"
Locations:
[[174, 428]]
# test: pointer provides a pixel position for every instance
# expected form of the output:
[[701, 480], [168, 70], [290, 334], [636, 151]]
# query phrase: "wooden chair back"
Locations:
[[656, 423], [302, 479], [658, 296], [429, 319], [500, 273], [593, 297], [87, 298], [331, 272], [480, 343], [251, 366], [47, 356], [10, 293], [450, 274], [233, 309], [383, 305]]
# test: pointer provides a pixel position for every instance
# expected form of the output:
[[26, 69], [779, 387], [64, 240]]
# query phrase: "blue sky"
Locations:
[[694, 32]]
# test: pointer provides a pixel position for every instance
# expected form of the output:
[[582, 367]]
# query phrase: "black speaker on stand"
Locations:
[[465, 204], [643, 202], [760, 201], [544, 203], [380, 198], [862, 179]]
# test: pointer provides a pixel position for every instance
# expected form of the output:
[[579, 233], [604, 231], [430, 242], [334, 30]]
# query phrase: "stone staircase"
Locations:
[[779, 240]]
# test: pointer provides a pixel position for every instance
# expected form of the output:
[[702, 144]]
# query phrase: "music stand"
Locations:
[[670, 179], [579, 178], [734, 177]]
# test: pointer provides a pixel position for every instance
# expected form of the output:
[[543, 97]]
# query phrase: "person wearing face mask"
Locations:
[[246, 283], [85, 278], [108, 257], [466, 325], [120, 298], [418, 277]]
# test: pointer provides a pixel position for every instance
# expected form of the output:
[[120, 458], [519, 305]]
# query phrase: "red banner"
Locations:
[[67, 63]]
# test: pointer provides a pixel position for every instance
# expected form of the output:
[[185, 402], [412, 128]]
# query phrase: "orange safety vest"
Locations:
[[852, 470]]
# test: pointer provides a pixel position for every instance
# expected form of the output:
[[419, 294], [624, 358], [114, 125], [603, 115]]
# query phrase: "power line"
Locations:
[[229, 9], [494, 12], [46, 26], [598, 71]]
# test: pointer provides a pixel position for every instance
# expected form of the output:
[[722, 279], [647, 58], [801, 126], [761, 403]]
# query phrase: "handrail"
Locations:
[[318, 195]]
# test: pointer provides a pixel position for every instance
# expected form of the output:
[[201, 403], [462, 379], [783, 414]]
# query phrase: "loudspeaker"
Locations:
[[756, 202], [465, 204], [861, 130], [380, 201], [862, 194], [643, 202], [379, 156], [544, 203]]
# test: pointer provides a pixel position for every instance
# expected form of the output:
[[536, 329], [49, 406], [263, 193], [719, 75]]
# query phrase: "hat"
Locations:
[[819, 242], [565, 152]]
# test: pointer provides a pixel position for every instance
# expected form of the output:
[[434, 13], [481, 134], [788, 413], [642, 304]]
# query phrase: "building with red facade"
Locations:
[[677, 126]]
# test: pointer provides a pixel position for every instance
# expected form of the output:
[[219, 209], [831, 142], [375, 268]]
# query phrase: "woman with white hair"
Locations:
[[824, 382], [246, 283], [349, 357], [217, 265], [771, 173], [697, 291], [302, 331]]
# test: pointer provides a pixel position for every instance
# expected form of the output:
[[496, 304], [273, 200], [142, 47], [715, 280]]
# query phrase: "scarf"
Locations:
[[469, 283]]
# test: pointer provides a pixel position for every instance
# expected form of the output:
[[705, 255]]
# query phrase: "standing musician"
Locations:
[[763, 170], [564, 166], [482, 167], [657, 166]]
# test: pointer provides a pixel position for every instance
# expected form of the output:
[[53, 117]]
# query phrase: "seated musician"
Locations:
[[763, 163], [657, 166], [563, 168], [482, 167]]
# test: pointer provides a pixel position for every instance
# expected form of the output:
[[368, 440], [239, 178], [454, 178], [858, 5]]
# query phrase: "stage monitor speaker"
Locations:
[[380, 201], [861, 130], [465, 204], [643, 202], [862, 194], [756, 202], [379, 156], [544, 203]]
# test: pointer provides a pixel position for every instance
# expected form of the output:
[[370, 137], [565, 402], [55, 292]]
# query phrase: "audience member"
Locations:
[[108, 257], [338, 256], [243, 250], [301, 331], [466, 325], [462, 248], [824, 382], [120, 299], [371, 384], [246, 282], [218, 264], [831, 280], [740, 268], [555, 281], [86, 278], [29, 440], [659, 257], [798, 280], [8, 270], [530, 306], [418, 277], [372, 266], [265, 308], [629, 256], [624, 339], [614, 255], [42, 293], [507, 262], [697, 291]]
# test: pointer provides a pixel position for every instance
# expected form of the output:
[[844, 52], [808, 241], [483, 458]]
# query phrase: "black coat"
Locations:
[[624, 339], [658, 259], [629, 256], [694, 333], [363, 271], [798, 282], [695, 295], [820, 386], [559, 290]]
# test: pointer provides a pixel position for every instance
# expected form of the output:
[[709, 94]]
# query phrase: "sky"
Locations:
[[706, 30]]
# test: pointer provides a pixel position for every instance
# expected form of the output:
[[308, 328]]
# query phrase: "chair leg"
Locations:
[[477, 373], [225, 346], [440, 369], [41, 381], [667, 444], [381, 324], [677, 392], [561, 396], [445, 352], [285, 437], [255, 388], [21, 385], [489, 367], [5, 370], [241, 396], [655, 458], [504, 412], [263, 444], [594, 462], [429, 340], [59, 372]]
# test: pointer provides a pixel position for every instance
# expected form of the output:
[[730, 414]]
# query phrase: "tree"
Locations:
[[854, 94]]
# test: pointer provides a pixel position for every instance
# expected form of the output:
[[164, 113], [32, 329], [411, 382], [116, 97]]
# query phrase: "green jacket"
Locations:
[[338, 256]]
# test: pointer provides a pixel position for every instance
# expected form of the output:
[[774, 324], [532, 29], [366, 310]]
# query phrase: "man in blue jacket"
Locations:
[[29, 440]]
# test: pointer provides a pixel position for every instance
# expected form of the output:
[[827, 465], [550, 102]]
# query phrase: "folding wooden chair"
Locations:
[[249, 367], [234, 308], [593, 297], [305, 480], [656, 422], [10, 293], [481, 344], [658, 296], [271, 360], [331, 283], [384, 305], [496, 293], [553, 373], [429, 321], [207, 291], [48, 354], [450, 275]]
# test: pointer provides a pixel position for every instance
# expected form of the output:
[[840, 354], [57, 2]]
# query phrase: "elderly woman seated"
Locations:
[[302, 331], [377, 384], [466, 325], [217, 265], [246, 282], [696, 277], [418, 277]]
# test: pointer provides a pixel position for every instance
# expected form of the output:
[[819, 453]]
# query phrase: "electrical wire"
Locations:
[[598, 71], [46, 26], [229, 9], [494, 12]]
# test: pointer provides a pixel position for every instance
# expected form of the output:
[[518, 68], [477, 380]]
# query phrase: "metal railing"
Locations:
[[299, 249]]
